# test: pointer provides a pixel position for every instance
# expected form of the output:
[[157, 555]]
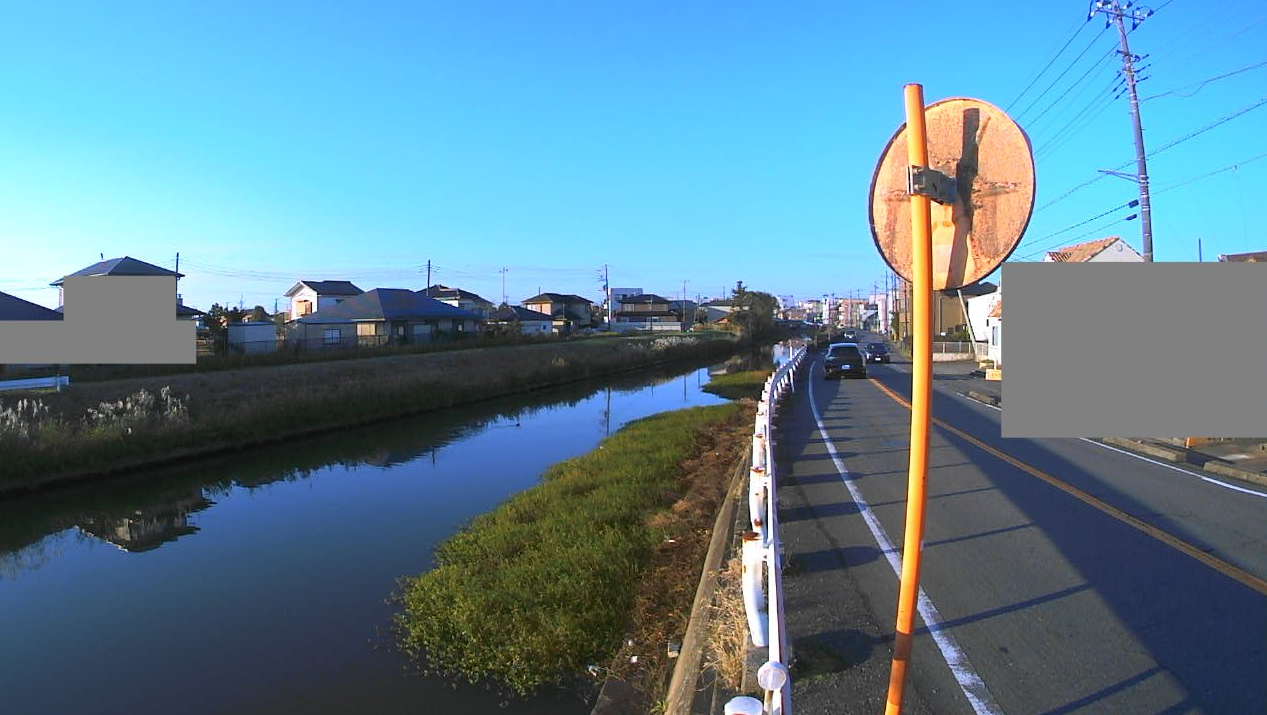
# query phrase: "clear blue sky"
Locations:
[[709, 142]]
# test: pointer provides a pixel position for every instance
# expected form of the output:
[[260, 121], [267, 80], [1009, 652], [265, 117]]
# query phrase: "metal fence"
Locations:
[[963, 347], [762, 555]]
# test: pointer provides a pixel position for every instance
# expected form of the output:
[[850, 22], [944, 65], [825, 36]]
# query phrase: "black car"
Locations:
[[877, 352], [844, 359]]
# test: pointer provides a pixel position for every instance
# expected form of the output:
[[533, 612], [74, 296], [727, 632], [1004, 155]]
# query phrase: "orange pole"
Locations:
[[921, 398]]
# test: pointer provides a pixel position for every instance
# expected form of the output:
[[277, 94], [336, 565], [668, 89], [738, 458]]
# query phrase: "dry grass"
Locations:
[[728, 628], [663, 601]]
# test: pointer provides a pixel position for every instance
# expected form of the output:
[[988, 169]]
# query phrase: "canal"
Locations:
[[260, 582]]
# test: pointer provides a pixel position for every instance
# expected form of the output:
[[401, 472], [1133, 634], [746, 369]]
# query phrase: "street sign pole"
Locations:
[[921, 397]]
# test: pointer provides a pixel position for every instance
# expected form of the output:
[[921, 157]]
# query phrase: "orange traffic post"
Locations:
[[921, 398]]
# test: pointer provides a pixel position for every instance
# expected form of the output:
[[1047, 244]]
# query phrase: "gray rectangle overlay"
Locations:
[[1136, 350]]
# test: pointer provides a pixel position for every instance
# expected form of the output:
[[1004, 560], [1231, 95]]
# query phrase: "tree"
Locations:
[[218, 317], [753, 311]]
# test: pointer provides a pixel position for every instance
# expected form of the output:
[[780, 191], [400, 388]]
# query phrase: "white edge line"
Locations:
[[1128, 453], [974, 689]]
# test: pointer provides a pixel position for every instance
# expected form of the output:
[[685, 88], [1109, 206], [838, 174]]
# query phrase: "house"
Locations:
[[530, 322], [1255, 257], [979, 307], [1111, 249], [569, 311], [14, 308], [459, 298], [994, 328], [647, 311], [715, 310], [125, 266], [379, 317], [307, 297], [615, 295]]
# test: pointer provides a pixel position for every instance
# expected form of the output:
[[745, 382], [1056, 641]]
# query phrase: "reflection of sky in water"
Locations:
[[274, 592]]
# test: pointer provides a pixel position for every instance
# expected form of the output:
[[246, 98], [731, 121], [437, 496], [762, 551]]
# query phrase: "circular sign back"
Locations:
[[989, 157]]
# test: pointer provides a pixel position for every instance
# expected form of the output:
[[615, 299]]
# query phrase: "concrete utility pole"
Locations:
[[1115, 13]]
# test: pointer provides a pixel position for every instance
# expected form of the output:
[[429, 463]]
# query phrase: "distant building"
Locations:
[[1255, 257], [307, 297], [1103, 250]]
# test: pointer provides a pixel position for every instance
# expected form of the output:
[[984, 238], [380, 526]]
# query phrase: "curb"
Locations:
[[1224, 469], [1213, 465], [982, 397], [1152, 450]]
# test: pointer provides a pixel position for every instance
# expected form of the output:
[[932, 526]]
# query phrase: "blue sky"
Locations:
[[708, 142]]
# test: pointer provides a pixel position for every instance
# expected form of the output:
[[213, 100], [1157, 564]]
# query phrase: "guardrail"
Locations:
[[37, 383], [762, 555]]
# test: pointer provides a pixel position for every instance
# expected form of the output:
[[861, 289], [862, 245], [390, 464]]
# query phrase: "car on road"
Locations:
[[877, 352], [844, 359], [851, 334]]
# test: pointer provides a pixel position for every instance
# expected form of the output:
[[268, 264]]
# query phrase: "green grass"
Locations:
[[532, 592], [738, 385]]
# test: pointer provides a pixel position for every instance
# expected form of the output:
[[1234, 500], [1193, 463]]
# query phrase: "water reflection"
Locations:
[[266, 572]]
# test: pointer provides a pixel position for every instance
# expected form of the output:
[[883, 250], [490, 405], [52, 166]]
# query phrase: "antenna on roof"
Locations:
[[103, 256]]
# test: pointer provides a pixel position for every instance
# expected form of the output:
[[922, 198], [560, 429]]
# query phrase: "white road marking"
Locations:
[[1129, 453], [974, 689]]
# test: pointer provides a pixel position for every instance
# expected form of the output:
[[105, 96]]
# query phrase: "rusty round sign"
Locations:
[[989, 158]]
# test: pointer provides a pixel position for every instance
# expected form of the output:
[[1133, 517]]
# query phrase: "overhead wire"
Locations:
[[1077, 30], [1070, 88], [1062, 74], [1201, 85]]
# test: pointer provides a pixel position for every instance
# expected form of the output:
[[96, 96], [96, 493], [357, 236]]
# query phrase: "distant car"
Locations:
[[844, 359], [877, 352], [851, 334]]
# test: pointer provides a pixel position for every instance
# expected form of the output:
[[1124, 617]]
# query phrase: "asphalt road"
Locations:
[[1063, 576]]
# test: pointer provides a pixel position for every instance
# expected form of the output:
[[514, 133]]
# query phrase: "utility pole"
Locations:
[[503, 272], [429, 278], [684, 305], [1115, 13]]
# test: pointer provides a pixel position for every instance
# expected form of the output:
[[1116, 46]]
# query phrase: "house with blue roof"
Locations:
[[380, 317]]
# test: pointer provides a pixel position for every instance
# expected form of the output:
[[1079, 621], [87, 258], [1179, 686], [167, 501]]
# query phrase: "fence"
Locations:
[[37, 383], [762, 555]]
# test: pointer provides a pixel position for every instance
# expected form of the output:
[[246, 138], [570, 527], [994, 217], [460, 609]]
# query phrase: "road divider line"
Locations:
[[974, 689], [1178, 544]]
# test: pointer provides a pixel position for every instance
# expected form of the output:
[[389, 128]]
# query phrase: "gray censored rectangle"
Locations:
[[108, 320], [1135, 350]]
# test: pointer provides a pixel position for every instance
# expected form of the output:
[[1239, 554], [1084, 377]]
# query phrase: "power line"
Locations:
[[1077, 31], [1164, 147], [1091, 112], [1229, 167], [1081, 235], [1128, 205], [1201, 85], [1077, 82], [1062, 74]]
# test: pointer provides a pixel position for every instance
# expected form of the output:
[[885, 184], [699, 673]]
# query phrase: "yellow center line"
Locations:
[[1215, 563]]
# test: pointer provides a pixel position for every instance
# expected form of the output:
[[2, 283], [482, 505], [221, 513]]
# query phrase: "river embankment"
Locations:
[[99, 429]]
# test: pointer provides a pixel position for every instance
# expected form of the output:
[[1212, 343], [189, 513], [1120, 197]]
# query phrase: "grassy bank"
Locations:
[[737, 385], [534, 591], [121, 425]]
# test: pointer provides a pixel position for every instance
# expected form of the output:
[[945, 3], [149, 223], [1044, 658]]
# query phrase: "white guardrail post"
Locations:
[[762, 555]]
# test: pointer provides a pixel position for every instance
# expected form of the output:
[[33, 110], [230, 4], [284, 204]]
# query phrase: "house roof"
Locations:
[[556, 298], [441, 292], [720, 303], [326, 288], [125, 266], [1082, 252], [386, 304], [14, 308], [1253, 257], [184, 311], [508, 313], [643, 298]]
